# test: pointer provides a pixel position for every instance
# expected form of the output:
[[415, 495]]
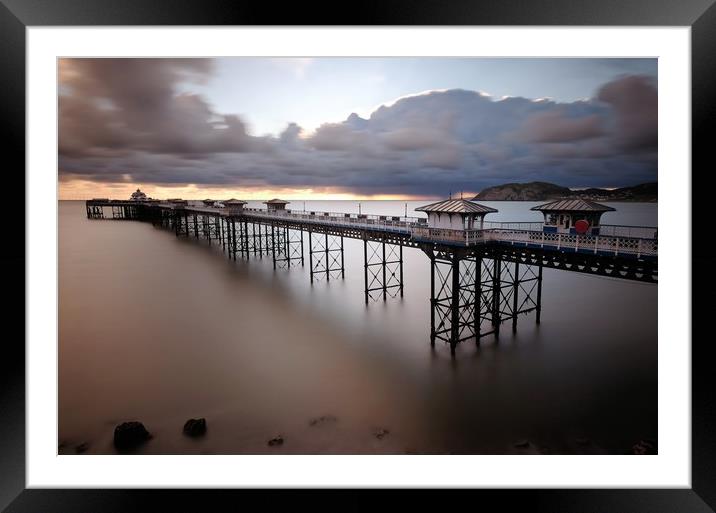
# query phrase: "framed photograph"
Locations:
[[411, 248]]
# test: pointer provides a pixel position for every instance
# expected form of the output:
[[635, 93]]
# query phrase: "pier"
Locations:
[[483, 274]]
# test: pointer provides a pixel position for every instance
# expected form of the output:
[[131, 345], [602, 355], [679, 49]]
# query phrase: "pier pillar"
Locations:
[[455, 305], [223, 233], [310, 253], [325, 253], [273, 245], [382, 269], [496, 292], [245, 245], [233, 238], [477, 303], [472, 293], [452, 296], [289, 247], [538, 306], [515, 295], [432, 299], [217, 230]]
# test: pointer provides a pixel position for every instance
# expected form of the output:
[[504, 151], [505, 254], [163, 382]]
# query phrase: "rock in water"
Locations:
[[130, 434], [276, 441], [195, 427]]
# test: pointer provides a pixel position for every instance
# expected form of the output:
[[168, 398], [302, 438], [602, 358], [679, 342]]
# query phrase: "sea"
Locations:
[[160, 329]]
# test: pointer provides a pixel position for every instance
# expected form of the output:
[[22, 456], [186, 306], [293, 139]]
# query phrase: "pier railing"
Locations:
[[527, 225], [605, 230], [389, 223], [597, 244], [460, 237], [635, 232]]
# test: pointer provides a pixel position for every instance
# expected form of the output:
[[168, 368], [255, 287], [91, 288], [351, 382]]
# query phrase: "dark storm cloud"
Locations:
[[125, 120], [553, 126], [122, 104], [634, 100]]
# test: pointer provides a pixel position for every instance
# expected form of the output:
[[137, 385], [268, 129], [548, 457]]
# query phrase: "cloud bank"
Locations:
[[126, 120]]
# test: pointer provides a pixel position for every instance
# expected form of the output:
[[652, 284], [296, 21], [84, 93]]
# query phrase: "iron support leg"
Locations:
[[432, 302], [455, 307], [365, 267], [539, 295], [310, 253], [515, 294]]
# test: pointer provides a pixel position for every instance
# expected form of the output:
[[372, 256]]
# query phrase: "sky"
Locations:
[[347, 128]]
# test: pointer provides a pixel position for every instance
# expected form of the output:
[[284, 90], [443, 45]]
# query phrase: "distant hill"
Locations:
[[543, 191], [532, 191]]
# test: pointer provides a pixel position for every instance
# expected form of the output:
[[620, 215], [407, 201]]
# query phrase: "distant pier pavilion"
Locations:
[[138, 196], [573, 216], [483, 273], [234, 206], [276, 204]]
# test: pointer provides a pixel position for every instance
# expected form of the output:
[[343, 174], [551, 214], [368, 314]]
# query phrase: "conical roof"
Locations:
[[457, 206], [573, 205]]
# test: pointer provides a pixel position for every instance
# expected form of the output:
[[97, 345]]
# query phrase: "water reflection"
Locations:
[[162, 329]]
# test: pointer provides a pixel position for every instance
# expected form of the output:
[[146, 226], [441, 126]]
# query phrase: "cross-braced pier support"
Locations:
[[325, 255], [471, 295], [383, 269], [258, 238], [287, 247], [235, 238], [204, 226], [180, 223]]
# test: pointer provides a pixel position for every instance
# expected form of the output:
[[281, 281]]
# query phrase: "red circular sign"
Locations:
[[581, 226]]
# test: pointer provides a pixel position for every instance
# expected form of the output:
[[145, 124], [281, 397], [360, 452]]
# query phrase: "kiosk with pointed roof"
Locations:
[[276, 204], [574, 216], [456, 214], [234, 205]]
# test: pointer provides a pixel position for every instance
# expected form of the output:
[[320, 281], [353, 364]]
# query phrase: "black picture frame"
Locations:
[[17, 15]]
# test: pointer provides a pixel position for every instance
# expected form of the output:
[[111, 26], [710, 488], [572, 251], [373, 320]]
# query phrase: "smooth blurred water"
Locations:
[[160, 329]]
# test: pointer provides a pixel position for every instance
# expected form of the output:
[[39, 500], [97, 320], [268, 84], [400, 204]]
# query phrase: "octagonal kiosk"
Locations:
[[572, 216], [276, 206], [456, 214], [234, 206]]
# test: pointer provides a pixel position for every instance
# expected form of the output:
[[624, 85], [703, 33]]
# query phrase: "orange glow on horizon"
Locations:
[[84, 189]]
